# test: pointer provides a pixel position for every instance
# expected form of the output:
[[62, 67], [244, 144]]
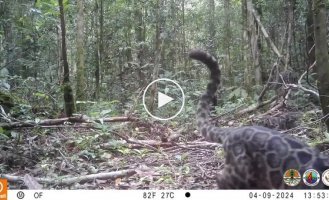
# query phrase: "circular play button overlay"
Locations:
[[163, 99]]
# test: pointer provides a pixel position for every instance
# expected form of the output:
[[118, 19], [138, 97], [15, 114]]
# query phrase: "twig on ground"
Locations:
[[72, 180]]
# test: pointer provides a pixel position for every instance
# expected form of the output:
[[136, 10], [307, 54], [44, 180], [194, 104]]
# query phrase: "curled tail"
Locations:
[[206, 100]]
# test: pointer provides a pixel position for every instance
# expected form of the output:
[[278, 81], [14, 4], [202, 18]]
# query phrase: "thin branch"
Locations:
[[266, 36], [61, 121], [300, 86], [255, 107], [260, 98], [72, 180]]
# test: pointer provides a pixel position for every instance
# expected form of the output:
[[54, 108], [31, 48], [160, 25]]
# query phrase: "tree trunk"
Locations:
[[245, 47], [211, 26], [255, 42], [185, 58], [60, 71], [158, 53], [321, 55], [173, 42], [140, 37], [227, 41], [290, 19], [100, 48], [8, 36], [81, 79], [128, 37], [310, 51], [68, 93]]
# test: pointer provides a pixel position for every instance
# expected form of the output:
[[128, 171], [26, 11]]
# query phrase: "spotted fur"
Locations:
[[255, 157]]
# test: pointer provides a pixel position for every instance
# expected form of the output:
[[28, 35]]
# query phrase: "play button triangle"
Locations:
[[163, 99]]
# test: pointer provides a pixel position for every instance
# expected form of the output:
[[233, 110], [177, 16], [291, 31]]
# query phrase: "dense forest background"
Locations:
[[72, 74]]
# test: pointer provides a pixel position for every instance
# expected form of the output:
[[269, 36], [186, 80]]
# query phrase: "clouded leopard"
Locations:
[[255, 157]]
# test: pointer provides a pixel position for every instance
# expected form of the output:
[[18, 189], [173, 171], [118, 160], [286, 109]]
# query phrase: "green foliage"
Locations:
[[6, 101], [51, 6], [102, 109], [33, 96], [33, 59], [22, 111], [238, 93], [4, 134]]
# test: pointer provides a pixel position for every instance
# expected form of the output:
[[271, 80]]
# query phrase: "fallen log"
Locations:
[[61, 121]]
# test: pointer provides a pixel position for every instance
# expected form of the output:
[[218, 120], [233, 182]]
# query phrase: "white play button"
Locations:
[[167, 91], [163, 99]]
